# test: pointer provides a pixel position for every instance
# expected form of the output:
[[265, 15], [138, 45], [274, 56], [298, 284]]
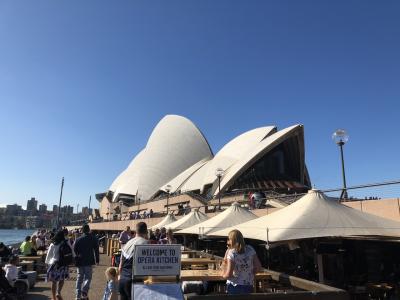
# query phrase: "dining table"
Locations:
[[36, 258], [199, 261], [261, 280]]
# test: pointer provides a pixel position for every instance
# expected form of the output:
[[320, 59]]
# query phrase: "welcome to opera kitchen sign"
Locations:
[[157, 260]]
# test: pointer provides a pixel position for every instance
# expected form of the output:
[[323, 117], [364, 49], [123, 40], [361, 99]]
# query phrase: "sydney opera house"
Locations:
[[177, 159]]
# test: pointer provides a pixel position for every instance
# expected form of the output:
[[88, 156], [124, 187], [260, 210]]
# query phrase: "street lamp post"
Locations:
[[219, 172], [341, 137], [90, 200], [59, 204], [168, 189], [120, 208]]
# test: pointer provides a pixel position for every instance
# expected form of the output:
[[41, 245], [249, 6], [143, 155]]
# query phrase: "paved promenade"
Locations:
[[42, 289]]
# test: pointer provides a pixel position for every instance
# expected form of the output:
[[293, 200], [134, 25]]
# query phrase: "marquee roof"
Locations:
[[231, 216], [194, 217], [315, 215], [170, 218]]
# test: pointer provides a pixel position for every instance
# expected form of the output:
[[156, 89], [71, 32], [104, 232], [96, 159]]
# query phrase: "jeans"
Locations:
[[85, 277], [125, 286], [239, 289]]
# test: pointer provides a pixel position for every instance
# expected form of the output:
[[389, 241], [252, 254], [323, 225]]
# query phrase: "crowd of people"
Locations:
[[146, 214], [81, 249], [63, 248], [183, 210], [135, 215], [239, 266], [158, 236]]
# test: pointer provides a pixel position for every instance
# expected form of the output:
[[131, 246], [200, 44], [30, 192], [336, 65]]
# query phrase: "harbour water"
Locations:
[[14, 236]]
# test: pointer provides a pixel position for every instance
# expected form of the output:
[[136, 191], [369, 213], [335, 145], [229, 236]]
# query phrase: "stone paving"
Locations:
[[42, 289]]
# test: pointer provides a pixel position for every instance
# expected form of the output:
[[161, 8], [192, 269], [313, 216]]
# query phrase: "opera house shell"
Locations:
[[178, 156]]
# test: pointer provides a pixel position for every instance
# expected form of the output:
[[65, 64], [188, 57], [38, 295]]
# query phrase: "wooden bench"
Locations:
[[27, 265]]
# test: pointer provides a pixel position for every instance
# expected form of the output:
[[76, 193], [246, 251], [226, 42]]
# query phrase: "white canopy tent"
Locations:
[[315, 215], [231, 216], [170, 218], [190, 219]]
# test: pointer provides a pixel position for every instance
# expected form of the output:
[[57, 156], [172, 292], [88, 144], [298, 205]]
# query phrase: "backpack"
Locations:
[[65, 254]]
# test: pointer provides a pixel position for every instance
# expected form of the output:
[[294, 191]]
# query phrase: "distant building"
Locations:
[[43, 208], [32, 222], [55, 209], [67, 210], [13, 210], [85, 211], [31, 206]]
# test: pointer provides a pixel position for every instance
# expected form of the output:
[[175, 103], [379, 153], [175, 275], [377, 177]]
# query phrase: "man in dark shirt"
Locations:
[[86, 255]]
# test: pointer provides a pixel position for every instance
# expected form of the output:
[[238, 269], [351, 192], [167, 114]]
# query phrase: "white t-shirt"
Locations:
[[52, 254], [39, 243], [11, 272], [128, 250], [243, 273]]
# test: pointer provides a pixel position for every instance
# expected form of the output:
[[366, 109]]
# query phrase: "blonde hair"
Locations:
[[237, 241], [112, 272]]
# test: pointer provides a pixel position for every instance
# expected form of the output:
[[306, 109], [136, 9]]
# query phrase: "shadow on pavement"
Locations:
[[34, 294]]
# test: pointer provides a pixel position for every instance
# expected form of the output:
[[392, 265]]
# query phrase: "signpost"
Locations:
[[157, 260]]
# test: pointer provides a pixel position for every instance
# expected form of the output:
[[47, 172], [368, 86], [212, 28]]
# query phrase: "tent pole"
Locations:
[[267, 246], [320, 268]]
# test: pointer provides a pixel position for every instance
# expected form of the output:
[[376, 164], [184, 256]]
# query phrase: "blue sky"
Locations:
[[83, 83]]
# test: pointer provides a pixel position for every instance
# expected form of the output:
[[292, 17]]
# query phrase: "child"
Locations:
[[11, 269], [111, 290]]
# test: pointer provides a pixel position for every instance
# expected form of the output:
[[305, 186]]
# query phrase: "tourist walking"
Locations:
[[125, 236], [126, 262], [241, 264], [58, 265], [86, 250]]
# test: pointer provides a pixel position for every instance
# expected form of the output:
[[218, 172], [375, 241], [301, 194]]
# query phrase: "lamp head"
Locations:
[[340, 137], [219, 172]]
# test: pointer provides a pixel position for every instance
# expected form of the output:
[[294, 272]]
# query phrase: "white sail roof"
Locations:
[[315, 215], [194, 217], [174, 145], [130, 171], [129, 182], [170, 218], [254, 154], [177, 154], [231, 216], [195, 181], [234, 151], [180, 180]]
